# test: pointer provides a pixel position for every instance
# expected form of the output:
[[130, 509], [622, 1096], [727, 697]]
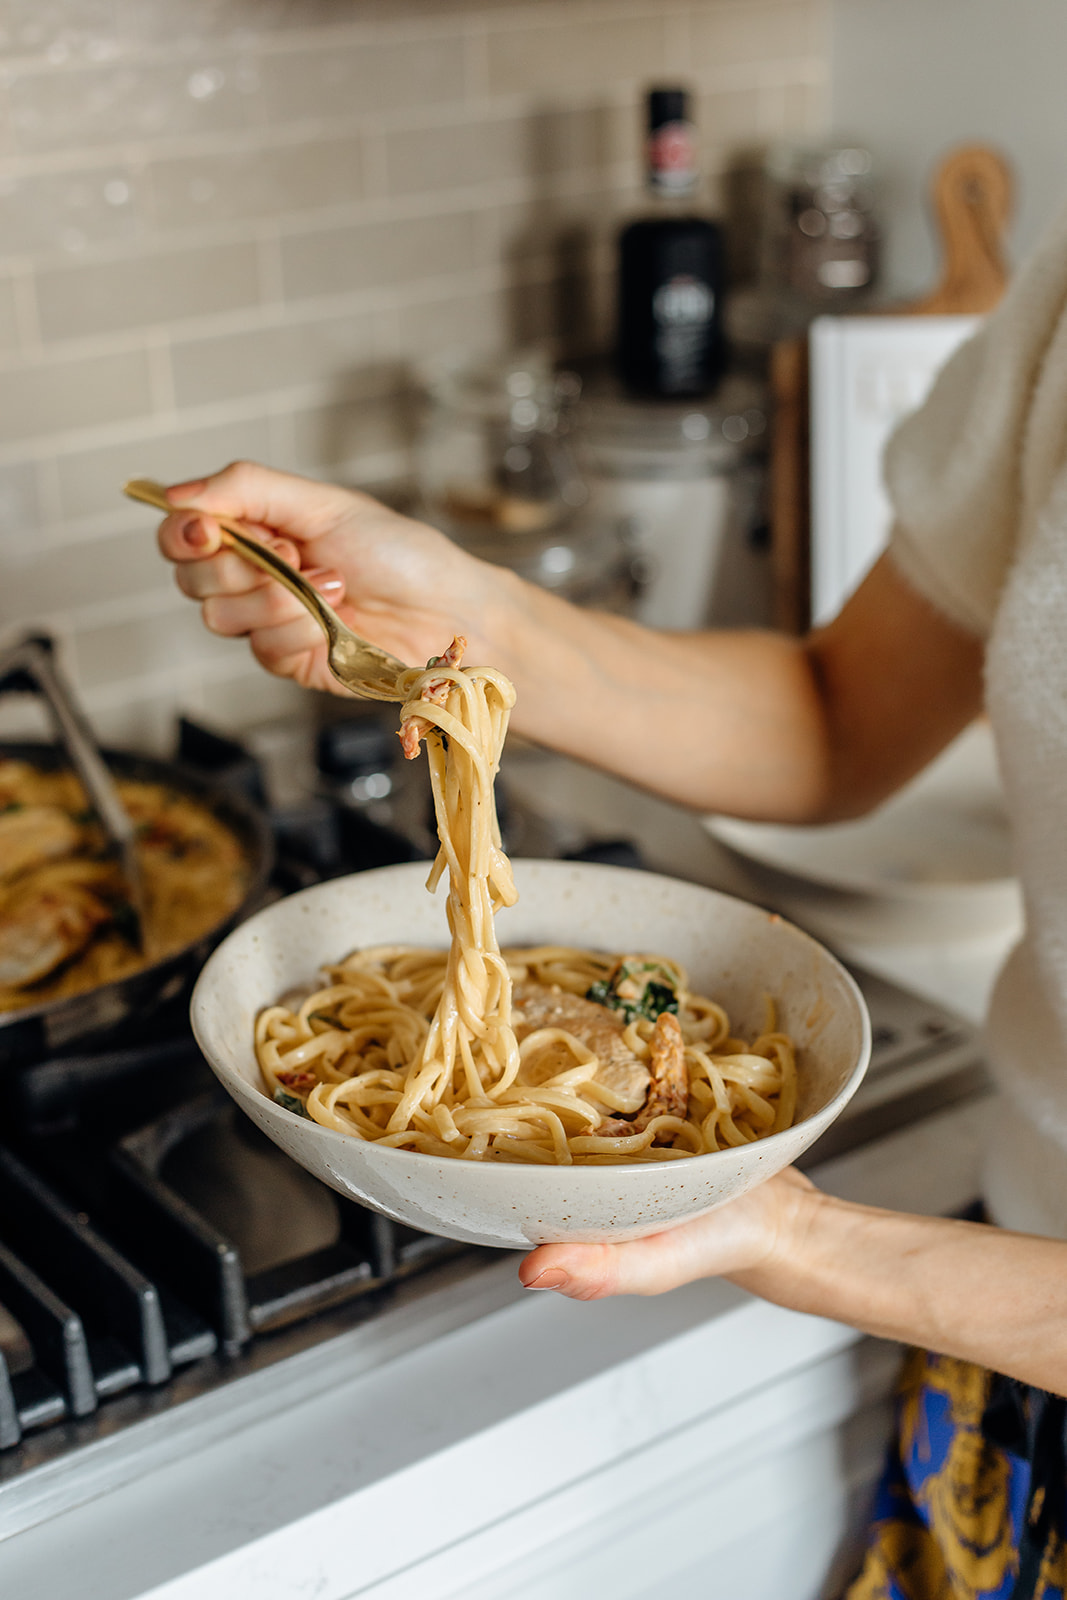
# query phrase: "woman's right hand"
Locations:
[[395, 581]]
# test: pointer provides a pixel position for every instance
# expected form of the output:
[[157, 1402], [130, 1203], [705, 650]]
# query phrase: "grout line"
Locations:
[[287, 41], [265, 137], [381, 210], [478, 205]]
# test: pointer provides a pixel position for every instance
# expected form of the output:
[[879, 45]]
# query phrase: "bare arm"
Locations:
[[752, 723], [757, 724], [985, 1295]]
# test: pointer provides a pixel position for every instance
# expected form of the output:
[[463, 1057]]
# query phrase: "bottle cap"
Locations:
[[667, 105], [671, 142]]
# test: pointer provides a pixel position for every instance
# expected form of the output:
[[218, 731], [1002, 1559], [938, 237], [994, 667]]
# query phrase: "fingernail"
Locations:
[[325, 579], [195, 534], [551, 1278]]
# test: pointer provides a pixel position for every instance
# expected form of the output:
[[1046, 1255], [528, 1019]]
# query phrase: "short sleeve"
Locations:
[[956, 470]]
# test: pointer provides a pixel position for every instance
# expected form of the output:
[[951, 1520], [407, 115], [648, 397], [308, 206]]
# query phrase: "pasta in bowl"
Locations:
[[737, 956]]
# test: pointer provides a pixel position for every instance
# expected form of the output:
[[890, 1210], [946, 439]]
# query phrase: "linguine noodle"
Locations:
[[417, 1048]]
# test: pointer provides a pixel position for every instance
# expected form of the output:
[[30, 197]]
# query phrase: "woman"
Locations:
[[967, 608]]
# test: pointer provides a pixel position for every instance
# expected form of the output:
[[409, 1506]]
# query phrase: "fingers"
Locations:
[[264, 604], [730, 1241], [297, 506]]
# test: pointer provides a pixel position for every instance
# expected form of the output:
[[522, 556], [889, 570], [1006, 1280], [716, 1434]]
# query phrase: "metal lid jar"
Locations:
[[497, 469]]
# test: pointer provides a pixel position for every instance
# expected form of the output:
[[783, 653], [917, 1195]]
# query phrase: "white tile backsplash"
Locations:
[[228, 227]]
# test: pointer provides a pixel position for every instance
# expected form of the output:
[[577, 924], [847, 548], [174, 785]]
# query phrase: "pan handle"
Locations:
[[31, 665]]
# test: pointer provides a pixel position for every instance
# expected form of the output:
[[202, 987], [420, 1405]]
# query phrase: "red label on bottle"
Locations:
[[672, 156]]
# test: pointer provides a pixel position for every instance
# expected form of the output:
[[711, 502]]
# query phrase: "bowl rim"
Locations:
[[635, 1170]]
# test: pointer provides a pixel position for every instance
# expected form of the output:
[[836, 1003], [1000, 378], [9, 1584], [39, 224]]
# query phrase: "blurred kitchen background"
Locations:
[[379, 241], [231, 227]]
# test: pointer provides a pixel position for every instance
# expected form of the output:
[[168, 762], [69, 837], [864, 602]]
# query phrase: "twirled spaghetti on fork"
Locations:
[[551, 1055]]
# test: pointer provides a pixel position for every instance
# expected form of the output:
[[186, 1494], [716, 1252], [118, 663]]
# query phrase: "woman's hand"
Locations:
[[397, 582], [746, 1241], [962, 1288]]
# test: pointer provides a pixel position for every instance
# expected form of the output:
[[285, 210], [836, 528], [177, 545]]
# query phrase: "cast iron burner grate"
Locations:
[[145, 1225], [121, 1262]]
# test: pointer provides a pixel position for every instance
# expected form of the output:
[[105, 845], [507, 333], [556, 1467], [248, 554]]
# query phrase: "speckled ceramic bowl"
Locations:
[[733, 951]]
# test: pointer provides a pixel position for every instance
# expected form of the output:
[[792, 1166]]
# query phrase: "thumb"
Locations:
[[595, 1271]]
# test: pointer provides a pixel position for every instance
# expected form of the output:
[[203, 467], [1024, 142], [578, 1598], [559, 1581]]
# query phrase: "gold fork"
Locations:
[[362, 667]]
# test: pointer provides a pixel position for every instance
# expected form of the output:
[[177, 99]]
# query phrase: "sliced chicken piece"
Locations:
[[436, 691], [33, 835], [535, 1005], [668, 1093], [37, 936], [668, 1089]]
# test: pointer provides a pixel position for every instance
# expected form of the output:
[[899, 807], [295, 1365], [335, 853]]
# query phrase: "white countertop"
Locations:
[[409, 1454]]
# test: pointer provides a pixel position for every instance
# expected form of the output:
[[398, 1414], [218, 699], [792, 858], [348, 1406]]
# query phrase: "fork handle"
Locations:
[[251, 548]]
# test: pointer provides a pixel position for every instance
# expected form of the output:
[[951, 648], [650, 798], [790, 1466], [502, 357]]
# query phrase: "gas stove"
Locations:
[[154, 1247]]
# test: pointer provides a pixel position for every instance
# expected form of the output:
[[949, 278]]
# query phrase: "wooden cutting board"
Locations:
[[972, 196]]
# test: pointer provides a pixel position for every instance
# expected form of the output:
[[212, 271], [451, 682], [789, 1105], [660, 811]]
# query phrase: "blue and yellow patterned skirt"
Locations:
[[973, 1503]]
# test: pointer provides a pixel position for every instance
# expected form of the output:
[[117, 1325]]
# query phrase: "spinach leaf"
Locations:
[[290, 1102], [636, 989]]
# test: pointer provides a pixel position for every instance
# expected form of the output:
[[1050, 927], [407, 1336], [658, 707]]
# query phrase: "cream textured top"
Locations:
[[978, 482]]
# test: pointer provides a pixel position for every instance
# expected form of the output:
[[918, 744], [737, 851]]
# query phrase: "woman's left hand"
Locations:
[[746, 1240]]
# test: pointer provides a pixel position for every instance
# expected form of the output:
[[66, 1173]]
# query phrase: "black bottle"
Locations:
[[670, 339]]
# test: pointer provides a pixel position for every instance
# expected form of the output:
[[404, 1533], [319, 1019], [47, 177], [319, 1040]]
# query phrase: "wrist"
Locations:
[[795, 1242]]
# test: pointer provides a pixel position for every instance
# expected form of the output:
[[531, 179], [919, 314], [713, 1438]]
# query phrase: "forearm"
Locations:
[[730, 721], [962, 1289]]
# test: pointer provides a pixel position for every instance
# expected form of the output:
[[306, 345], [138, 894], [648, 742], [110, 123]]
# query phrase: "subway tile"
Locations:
[[257, 182], [151, 287], [332, 436], [792, 111], [98, 569], [473, 321], [163, 640], [90, 481], [7, 137], [728, 117], [425, 160], [20, 522], [57, 29], [746, 32], [536, 146], [58, 395], [210, 92], [236, 702], [353, 79], [376, 254], [9, 330], [554, 58], [66, 211], [337, 350], [133, 715], [158, 22], [586, 138]]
